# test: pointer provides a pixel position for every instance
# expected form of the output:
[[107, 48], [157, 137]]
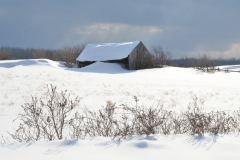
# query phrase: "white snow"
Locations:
[[107, 51], [103, 67], [32, 63], [100, 82], [180, 147], [232, 67]]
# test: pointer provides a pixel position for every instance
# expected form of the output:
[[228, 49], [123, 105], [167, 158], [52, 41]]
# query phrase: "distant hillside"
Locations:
[[189, 62]]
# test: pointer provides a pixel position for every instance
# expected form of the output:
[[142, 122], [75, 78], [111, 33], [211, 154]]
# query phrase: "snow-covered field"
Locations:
[[101, 82]]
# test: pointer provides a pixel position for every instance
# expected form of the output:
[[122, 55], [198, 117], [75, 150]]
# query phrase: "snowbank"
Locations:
[[30, 62], [179, 147], [102, 67]]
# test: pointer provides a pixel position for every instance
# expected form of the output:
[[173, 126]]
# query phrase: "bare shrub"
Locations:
[[195, 120], [149, 120], [198, 122], [51, 119], [222, 123], [103, 122], [121, 122], [100, 123], [76, 126], [125, 124], [45, 119], [179, 123], [236, 120]]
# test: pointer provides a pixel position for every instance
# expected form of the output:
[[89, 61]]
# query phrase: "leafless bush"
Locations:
[[50, 119], [76, 126], [222, 123], [236, 120], [102, 123], [123, 121], [198, 122], [179, 123], [149, 120], [45, 119]]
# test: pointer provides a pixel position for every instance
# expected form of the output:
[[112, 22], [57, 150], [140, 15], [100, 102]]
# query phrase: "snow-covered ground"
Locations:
[[231, 68], [101, 82], [180, 147]]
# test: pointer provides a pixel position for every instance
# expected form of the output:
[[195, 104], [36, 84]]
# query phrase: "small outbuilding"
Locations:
[[134, 55]]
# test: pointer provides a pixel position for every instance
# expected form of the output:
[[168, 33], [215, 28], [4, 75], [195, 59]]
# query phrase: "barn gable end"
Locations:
[[140, 58]]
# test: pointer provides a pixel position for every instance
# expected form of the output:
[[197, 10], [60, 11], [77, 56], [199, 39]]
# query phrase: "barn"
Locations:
[[134, 55]]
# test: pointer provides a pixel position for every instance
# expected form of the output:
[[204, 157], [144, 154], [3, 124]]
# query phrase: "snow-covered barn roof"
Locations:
[[107, 51]]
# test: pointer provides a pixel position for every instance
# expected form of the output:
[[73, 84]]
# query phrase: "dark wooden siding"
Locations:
[[84, 63], [140, 58], [123, 61]]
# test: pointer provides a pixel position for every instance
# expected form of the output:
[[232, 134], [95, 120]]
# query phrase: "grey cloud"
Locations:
[[185, 25]]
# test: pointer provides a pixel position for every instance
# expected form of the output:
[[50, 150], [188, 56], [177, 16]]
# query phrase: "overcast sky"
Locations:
[[185, 27]]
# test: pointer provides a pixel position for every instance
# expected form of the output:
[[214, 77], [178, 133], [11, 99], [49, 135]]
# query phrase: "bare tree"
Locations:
[[5, 54], [161, 57], [69, 54], [39, 53], [205, 62]]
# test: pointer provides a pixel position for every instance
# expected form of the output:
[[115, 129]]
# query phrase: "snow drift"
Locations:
[[29, 63], [103, 67], [171, 86]]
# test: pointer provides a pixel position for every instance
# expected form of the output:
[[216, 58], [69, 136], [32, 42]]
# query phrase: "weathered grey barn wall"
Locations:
[[140, 58]]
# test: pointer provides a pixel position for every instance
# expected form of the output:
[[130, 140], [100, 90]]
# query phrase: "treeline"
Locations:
[[67, 55], [163, 57], [159, 56], [204, 59]]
